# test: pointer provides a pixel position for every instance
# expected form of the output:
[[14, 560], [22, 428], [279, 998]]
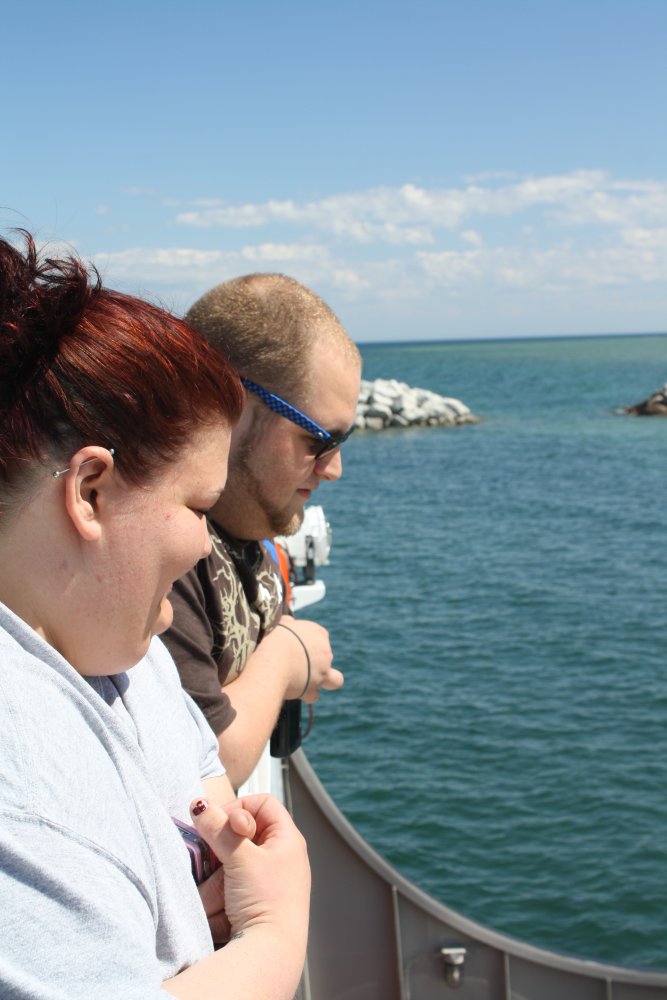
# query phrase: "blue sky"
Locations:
[[478, 168]]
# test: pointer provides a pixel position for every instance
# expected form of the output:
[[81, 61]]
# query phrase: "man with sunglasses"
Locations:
[[239, 652]]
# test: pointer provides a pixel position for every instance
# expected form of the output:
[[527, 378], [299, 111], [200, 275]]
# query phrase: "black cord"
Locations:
[[303, 646]]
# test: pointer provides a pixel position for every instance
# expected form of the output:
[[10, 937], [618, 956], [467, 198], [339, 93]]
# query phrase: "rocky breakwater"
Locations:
[[388, 403]]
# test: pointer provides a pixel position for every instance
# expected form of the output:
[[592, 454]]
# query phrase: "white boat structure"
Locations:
[[306, 550], [374, 935]]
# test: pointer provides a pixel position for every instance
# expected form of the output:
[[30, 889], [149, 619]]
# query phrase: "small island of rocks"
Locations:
[[387, 403], [654, 405]]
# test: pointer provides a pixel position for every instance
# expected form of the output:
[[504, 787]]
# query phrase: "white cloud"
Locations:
[[552, 239], [381, 215], [127, 262], [655, 238], [410, 215], [280, 253], [638, 259], [190, 271], [640, 255], [471, 237], [450, 268]]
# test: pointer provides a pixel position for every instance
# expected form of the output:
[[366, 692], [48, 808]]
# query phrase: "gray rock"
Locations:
[[374, 424], [379, 410], [654, 405], [390, 403]]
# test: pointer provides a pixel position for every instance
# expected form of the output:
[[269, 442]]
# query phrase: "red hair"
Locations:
[[81, 364]]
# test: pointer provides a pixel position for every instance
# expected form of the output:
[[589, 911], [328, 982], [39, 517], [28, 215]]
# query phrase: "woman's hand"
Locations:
[[265, 878], [212, 890], [266, 897]]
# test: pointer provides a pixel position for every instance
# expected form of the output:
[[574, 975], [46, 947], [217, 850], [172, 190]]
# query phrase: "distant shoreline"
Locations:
[[505, 340]]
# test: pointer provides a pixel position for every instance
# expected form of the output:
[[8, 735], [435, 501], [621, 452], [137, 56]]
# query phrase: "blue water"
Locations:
[[498, 600]]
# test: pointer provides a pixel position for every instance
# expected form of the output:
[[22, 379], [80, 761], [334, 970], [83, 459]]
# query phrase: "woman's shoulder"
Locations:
[[177, 743]]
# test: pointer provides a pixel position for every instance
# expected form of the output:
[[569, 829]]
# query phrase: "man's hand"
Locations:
[[276, 671], [322, 674]]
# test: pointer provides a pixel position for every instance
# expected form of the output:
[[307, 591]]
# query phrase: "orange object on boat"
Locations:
[[284, 564]]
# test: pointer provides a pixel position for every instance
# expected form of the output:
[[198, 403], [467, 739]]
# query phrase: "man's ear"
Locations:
[[88, 476], [254, 416]]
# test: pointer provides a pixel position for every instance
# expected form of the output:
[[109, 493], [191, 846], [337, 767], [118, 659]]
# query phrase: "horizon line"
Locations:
[[504, 340]]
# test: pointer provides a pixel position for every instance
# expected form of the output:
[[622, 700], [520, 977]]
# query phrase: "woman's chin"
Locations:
[[164, 618]]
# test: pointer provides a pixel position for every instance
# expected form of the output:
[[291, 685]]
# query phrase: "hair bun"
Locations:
[[41, 301]]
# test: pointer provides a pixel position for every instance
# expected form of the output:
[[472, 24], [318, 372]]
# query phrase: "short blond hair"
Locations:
[[267, 325]]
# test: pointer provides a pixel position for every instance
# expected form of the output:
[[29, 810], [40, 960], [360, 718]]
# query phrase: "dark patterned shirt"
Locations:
[[222, 609]]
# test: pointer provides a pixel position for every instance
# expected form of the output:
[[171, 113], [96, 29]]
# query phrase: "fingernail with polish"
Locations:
[[199, 807]]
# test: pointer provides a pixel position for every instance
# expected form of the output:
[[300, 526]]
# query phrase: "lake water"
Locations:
[[497, 597]]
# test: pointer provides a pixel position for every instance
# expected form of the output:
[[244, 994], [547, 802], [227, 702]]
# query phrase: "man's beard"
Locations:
[[279, 520]]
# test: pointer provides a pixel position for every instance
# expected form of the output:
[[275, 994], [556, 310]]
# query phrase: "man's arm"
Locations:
[[276, 671], [244, 712]]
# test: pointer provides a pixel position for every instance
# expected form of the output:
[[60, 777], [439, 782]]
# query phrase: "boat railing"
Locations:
[[374, 935]]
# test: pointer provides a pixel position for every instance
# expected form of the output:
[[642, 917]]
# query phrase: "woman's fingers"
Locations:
[[241, 821], [265, 880], [222, 829]]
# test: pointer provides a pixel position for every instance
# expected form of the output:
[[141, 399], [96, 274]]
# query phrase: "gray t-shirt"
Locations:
[[96, 894]]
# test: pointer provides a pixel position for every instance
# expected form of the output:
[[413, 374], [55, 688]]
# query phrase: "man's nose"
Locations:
[[330, 466]]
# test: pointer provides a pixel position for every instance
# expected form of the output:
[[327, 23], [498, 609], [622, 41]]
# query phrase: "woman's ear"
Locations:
[[86, 480]]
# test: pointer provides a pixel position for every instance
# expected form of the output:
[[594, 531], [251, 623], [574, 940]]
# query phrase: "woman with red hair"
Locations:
[[115, 421]]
